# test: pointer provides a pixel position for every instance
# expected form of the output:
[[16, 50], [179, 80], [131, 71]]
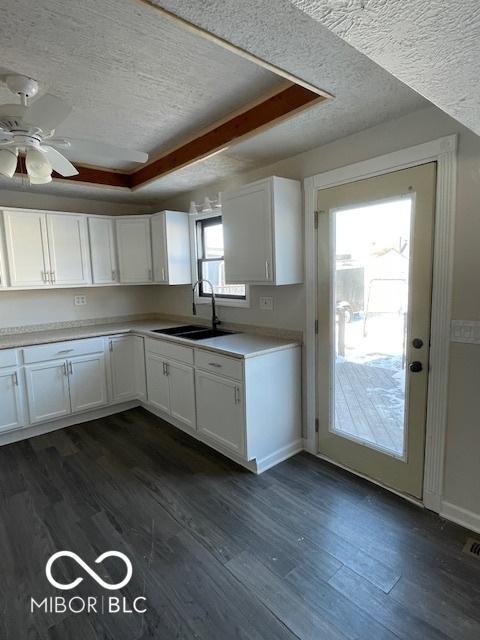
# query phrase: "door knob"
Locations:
[[415, 367], [417, 343]]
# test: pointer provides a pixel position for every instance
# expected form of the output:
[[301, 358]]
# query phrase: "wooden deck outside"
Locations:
[[366, 406]]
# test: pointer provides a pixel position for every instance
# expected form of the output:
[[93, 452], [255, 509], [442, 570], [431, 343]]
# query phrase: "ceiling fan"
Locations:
[[29, 129]]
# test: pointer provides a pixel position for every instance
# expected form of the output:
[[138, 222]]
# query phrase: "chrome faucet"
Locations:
[[215, 320]]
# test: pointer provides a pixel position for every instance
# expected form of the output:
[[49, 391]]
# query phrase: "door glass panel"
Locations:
[[371, 280]]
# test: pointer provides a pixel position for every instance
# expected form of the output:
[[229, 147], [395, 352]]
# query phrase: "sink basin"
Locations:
[[204, 334], [193, 332], [175, 331]]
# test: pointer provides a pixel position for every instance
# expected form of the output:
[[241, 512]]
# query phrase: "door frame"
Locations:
[[443, 151]]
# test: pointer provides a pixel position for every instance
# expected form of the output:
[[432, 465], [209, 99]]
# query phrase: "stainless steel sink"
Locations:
[[193, 332], [203, 335], [175, 331]]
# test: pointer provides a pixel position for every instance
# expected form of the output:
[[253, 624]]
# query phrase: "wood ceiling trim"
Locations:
[[264, 114], [261, 115]]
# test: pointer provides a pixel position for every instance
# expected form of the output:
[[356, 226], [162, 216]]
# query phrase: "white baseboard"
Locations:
[[432, 501], [463, 517], [279, 455], [45, 427]]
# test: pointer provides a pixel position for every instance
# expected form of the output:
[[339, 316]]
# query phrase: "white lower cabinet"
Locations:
[[88, 384], [48, 391], [127, 368], [11, 413], [171, 388], [59, 386], [220, 411]]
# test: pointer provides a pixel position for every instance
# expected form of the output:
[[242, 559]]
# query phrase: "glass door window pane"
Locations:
[[371, 283]]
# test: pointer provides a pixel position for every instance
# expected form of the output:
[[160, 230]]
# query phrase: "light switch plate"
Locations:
[[266, 303], [79, 301]]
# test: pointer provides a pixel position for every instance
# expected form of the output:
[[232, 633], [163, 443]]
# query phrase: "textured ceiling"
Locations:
[[139, 79], [431, 45], [134, 77]]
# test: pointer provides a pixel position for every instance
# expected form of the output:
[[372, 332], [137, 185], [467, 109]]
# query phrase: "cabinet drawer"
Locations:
[[169, 350], [222, 365], [8, 358], [67, 349]]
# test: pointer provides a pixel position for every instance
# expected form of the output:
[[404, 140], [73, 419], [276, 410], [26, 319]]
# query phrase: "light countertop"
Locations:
[[238, 345]]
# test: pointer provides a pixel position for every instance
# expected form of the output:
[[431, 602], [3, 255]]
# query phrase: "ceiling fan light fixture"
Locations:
[[8, 162], [38, 165], [39, 179]]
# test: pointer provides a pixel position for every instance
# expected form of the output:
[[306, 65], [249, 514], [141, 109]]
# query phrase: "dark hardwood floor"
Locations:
[[303, 551]]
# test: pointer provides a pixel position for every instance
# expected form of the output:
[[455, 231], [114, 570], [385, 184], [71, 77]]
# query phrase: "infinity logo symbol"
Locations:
[[86, 568]]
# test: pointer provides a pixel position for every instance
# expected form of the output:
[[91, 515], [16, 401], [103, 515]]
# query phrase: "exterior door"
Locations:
[[182, 393], [375, 242], [27, 248], [88, 382], [67, 242], [220, 414], [48, 391]]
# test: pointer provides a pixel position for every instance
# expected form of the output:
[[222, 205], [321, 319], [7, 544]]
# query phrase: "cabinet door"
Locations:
[[123, 368], [158, 392], [48, 391], [220, 413], [27, 248], [248, 235], [67, 244], [159, 249], [102, 250], [182, 392], [134, 250], [11, 415], [88, 382]]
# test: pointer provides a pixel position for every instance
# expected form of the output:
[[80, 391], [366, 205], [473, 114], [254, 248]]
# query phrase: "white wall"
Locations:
[[462, 473], [19, 308]]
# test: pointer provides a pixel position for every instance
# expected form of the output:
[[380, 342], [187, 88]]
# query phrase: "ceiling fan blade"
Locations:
[[59, 163], [47, 112], [98, 150]]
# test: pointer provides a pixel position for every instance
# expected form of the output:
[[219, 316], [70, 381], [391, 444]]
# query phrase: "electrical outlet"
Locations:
[[79, 301], [266, 303]]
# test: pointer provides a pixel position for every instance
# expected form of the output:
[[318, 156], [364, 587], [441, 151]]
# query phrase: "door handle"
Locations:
[[267, 270], [70, 366], [110, 345], [416, 366], [15, 378], [65, 371]]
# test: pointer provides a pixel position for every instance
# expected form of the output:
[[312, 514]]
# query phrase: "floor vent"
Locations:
[[472, 547]]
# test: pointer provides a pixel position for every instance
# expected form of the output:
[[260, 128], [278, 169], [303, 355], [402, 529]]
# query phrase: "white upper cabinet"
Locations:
[[262, 228], [27, 248], [102, 250], [134, 249], [46, 249], [68, 249], [171, 248]]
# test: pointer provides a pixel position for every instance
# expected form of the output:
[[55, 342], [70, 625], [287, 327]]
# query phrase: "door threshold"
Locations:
[[405, 496]]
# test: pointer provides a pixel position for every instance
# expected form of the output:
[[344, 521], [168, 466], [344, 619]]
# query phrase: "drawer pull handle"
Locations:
[[215, 364], [66, 351], [15, 378]]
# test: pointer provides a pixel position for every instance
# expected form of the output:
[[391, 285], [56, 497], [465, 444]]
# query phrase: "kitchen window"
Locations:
[[211, 264]]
